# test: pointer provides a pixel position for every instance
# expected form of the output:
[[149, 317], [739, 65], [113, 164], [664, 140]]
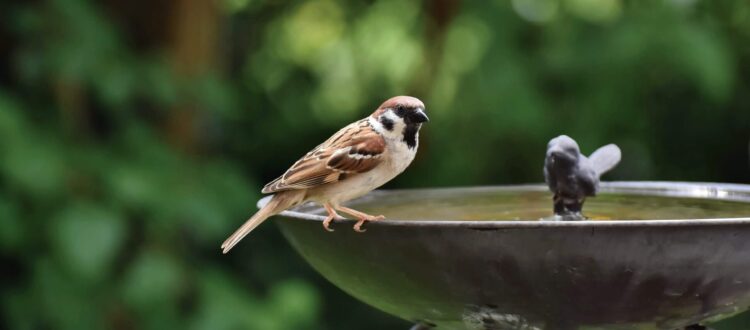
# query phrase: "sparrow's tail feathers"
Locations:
[[279, 202], [605, 158]]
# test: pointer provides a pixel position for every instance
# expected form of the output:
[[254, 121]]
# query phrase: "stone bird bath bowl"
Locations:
[[654, 255]]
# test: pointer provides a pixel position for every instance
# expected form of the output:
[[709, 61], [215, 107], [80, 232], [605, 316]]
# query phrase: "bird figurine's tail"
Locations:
[[279, 202], [605, 158]]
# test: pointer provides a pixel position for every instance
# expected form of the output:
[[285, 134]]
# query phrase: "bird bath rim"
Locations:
[[700, 190]]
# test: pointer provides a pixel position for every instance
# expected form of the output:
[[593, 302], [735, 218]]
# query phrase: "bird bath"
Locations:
[[654, 255]]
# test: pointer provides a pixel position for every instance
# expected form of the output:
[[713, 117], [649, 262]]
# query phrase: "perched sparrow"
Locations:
[[572, 177], [354, 161]]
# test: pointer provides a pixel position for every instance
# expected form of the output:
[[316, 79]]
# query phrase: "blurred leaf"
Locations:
[[705, 56], [225, 307], [11, 226], [292, 306], [35, 164], [135, 185], [538, 11], [87, 238], [465, 44], [209, 211], [11, 124], [310, 28], [154, 279], [116, 82], [214, 94], [236, 5], [157, 83], [296, 302], [61, 301], [599, 11]]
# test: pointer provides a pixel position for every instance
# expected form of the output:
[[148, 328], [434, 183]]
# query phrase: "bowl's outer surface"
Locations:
[[538, 275]]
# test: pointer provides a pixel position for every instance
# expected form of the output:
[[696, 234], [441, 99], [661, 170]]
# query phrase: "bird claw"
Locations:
[[358, 225], [327, 223], [331, 216]]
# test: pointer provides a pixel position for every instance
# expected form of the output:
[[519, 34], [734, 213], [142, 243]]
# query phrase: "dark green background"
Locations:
[[136, 135]]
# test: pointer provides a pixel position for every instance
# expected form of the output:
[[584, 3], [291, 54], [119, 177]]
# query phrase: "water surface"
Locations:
[[493, 204]]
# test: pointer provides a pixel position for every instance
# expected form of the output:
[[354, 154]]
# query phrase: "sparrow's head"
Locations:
[[562, 151], [401, 116]]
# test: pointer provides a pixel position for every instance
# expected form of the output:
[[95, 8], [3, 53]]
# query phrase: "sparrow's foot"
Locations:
[[331, 215], [358, 225], [361, 216], [327, 223]]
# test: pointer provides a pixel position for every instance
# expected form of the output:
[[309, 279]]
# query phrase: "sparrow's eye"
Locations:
[[400, 110]]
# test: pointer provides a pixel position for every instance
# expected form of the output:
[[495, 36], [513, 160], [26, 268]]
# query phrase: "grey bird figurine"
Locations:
[[572, 176]]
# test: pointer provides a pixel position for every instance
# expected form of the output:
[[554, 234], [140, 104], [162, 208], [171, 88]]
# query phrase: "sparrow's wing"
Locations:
[[356, 148], [605, 158]]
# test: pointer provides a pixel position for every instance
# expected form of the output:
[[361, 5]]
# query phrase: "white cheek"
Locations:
[[376, 125], [398, 125]]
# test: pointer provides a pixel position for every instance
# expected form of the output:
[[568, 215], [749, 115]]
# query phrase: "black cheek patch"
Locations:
[[387, 123], [410, 135]]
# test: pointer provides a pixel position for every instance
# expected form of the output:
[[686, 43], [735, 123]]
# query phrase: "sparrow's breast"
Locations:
[[355, 185], [399, 155], [396, 159]]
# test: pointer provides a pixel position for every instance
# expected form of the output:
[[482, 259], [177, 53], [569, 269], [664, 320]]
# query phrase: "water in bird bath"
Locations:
[[533, 204]]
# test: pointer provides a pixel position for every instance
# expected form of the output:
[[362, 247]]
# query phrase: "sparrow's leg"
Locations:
[[331, 215], [361, 216]]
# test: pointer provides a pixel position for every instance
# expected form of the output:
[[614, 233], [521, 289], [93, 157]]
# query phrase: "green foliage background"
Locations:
[[135, 135]]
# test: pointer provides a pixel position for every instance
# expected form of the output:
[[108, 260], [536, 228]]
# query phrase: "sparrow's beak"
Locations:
[[419, 117]]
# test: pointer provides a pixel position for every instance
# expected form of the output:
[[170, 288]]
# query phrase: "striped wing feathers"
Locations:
[[356, 148]]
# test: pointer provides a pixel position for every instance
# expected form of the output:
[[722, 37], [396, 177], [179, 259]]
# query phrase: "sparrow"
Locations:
[[572, 176], [354, 161]]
